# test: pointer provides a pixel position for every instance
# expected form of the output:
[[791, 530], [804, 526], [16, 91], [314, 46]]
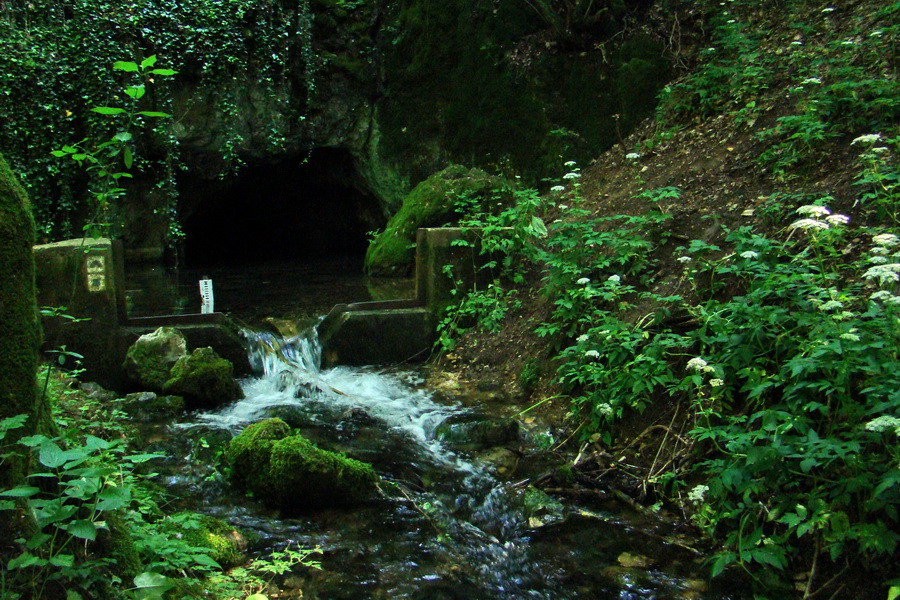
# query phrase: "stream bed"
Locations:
[[453, 523], [456, 520]]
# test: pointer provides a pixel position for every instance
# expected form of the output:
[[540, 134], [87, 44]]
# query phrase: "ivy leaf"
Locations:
[[108, 110], [123, 65]]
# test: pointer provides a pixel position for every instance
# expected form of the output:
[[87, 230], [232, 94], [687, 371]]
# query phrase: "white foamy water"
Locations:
[[291, 376]]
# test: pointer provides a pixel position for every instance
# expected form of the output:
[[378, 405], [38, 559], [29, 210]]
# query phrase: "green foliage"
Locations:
[[54, 63]]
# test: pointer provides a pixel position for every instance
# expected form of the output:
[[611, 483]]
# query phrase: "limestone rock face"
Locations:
[[150, 359], [291, 473], [203, 379]]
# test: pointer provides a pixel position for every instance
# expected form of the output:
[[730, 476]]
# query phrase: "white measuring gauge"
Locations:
[[206, 296]]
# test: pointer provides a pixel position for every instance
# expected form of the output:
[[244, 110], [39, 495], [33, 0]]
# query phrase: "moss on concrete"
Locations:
[[203, 379], [431, 204], [19, 325], [290, 472]]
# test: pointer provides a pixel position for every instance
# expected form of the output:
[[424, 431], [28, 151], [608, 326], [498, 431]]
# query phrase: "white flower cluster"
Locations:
[[614, 279], [749, 254], [605, 409], [818, 218], [572, 175], [684, 259], [886, 240], [583, 281], [886, 297], [592, 354], [716, 382], [570, 163], [884, 423], [558, 188], [886, 273], [632, 156], [697, 364], [830, 305], [582, 338], [869, 138], [698, 494]]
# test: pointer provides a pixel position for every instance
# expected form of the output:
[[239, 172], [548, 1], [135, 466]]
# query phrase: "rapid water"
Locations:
[[448, 528]]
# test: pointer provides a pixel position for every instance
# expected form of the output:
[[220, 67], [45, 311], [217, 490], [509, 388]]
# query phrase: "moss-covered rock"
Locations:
[[431, 204], [290, 472], [19, 326], [149, 361], [146, 406], [203, 379], [224, 544]]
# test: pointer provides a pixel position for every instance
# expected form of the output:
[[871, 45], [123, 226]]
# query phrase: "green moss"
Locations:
[[19, 325], [203, 379], [150, 359], [116, 542], [430, 204], [224, 543], [290, 472]]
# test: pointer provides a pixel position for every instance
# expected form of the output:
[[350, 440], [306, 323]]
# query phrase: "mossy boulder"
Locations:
[[287, 471], [222, 542], [147, 406], [149, 361], [431, 204], [203, 379]]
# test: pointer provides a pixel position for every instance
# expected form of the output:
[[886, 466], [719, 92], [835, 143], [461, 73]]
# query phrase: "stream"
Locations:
[[454, 521]]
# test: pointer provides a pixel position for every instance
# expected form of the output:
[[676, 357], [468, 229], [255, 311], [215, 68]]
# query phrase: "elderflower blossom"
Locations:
[[696, 364], [881, 295], [837, 219], [812, 210], [884, 423], [592, 354], [716, 382], [884, 273], [583, 281], [614, 279], [809, 80], [571, 175], [869, 138], [749, 254], [558, 188], [809, 224], [850, 337], [582, 338], [632, 156], [605, 409], [563, 206], [878, 260], [570, 163], [684, 259], [887, 240], [698, 494], [880, 250]]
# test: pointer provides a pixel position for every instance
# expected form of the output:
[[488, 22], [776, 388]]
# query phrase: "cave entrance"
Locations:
[[300, 208]]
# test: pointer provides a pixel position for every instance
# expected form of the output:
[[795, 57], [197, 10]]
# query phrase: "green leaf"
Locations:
[[82, 528], [24, 560], [264, 597], [151, 586], [58, 153], [52, 455], [538, 227], [163, 72], [136, 91], [37, 540], [893, 593], [206, 561], [128, 66], [722, 561], [153, 113], [148, 62], [108, 110], [62, 560], [142, 458], [23, 491], [34, 440], [128, 157], [113, 498], [123, 136], [73, 595]]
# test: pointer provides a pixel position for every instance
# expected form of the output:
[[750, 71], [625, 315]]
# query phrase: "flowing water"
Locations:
[[449, 525]]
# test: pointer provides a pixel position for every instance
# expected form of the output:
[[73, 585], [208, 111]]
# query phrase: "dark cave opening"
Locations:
[[299, 208]]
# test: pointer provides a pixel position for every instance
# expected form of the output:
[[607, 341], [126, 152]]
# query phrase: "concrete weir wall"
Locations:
[[81, 290], [84, 283], [372, 333]]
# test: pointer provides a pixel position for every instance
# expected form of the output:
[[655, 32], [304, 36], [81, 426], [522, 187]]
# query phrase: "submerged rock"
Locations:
[[148, 405], [204, 379], [287, 471], [478, 434], [150, 359]]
